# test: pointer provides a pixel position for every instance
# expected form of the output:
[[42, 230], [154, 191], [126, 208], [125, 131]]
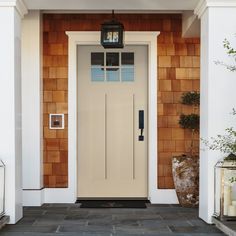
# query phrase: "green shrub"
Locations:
[[189, 121], [191, 98]]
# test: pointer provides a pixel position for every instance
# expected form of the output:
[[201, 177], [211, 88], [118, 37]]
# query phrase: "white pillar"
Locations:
[[32, 155], [10, 103], [218, 89]]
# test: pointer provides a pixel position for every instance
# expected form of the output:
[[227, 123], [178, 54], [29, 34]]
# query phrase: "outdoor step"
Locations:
[[228, 227]]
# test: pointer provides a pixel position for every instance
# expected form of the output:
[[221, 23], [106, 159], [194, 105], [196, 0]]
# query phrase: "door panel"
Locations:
[[112, 162]]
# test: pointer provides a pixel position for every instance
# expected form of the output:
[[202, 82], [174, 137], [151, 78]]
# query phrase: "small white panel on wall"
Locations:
[[56, 121]]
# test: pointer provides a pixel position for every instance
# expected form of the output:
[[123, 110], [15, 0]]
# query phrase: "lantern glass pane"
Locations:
[[218, 179], [229, 190], [2, 184], [225, 190], [111, 36]]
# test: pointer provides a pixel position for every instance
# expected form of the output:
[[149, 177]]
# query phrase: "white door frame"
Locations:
[[131, 38]]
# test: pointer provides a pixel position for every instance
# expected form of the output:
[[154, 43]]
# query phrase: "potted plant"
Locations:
[[185, 168]]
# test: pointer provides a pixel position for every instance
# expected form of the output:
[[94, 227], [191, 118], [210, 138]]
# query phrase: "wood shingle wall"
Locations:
[[178, 71]]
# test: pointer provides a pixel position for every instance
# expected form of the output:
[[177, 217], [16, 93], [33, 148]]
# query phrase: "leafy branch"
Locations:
[[225, 143], [231, 53]]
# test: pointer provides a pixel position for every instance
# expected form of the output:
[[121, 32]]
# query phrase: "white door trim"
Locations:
[[93, 38]]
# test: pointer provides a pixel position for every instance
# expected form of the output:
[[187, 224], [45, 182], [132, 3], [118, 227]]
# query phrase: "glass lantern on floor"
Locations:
[[2, 189], [225, 188]]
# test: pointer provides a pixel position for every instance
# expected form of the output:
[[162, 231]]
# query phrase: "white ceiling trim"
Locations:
[[204, 4], [21, 7], [18, 4], [109, 12], [86, 5]]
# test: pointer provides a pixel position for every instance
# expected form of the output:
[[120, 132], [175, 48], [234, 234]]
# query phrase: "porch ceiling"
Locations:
[[123, 5]]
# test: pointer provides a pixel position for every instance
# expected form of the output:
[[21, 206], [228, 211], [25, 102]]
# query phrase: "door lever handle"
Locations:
[[141, 125]]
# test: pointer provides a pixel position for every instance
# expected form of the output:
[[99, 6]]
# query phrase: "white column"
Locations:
[[218, 90], [10, 103], [31, 110]]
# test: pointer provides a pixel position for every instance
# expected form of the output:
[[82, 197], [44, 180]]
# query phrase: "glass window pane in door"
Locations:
[[97, 59], [127, 58], [113, 74], [127, 74], [97, 74], [112, 59]]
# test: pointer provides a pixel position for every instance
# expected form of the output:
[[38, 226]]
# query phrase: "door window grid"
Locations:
[[124, 72]]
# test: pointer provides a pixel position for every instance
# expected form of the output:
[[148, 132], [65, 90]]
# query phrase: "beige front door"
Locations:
[[112, 105]]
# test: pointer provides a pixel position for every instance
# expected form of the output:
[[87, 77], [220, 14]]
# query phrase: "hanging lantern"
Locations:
[[112, 33]]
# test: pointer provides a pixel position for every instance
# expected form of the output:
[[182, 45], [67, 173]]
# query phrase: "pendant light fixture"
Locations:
[[112, 33]]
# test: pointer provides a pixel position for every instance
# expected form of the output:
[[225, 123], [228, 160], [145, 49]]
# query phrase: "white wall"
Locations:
[[31, 107], [218, 95], [10, 104]]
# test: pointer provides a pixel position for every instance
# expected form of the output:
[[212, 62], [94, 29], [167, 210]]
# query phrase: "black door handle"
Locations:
[[141, 125]]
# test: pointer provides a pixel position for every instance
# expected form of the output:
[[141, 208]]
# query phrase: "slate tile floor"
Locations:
[[70, 220]]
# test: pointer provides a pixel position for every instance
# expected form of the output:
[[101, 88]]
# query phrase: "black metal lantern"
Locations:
[[112, 34]]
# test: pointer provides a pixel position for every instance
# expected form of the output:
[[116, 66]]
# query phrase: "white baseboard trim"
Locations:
[[33, 197], [59, 195], [65, 195], [164, 196], [47, 195]]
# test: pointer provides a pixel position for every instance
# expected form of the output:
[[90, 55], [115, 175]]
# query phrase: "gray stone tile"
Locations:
[[153, 223], [99, 216], [27, 221], [137, 217], [23, 228], [70, 220], [82, 222], [34, 212], [171, 216], [85, 229], [129, 230], [141, 230], [125, 222], [196, 222], [174, 210], [78, 216], [48, 222], [122, 233], [193, 215], [2, 233], [96, 234], [210, 234], [195, 229]]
